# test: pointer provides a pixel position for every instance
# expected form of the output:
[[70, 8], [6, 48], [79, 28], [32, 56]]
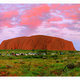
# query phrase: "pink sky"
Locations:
[[57, 20]]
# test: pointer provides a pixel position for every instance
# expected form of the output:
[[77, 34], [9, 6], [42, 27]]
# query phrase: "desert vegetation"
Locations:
[[43, 63]]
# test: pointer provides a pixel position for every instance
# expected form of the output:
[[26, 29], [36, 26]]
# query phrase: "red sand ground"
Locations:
[[37, 42]]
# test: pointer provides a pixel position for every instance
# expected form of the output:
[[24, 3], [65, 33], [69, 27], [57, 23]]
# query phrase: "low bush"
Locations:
[[24, 69], [70, 66], [3, 67], [77, 64], [55, 56], [4, 73]]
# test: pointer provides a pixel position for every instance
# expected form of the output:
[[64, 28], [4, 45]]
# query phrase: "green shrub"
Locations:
[[70, 66], [16, 62], [55, 56], [78, 64], [3, 67], [40, 72], [29, 73], [52, 65], [29, 56], [24, 69]]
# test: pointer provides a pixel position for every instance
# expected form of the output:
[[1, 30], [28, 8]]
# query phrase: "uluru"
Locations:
[[37, 42]]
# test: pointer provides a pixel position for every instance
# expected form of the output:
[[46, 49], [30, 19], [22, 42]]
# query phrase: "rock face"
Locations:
[[37, 42]]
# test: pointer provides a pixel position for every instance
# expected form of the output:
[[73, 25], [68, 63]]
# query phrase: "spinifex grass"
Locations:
[[67, 64]]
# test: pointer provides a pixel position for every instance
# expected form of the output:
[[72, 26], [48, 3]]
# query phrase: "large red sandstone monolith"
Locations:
[[37, 42]]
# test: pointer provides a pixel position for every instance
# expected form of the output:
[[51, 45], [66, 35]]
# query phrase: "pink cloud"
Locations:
[[55, 6], [9, 14], [31, 17], [68, 6], [55, 19], [5, 19], [38, 11], [31, 22]]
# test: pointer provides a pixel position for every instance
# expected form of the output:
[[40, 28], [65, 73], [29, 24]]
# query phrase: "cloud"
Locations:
[[7, 33], [8, 14], [64, 32], [33, 17]]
